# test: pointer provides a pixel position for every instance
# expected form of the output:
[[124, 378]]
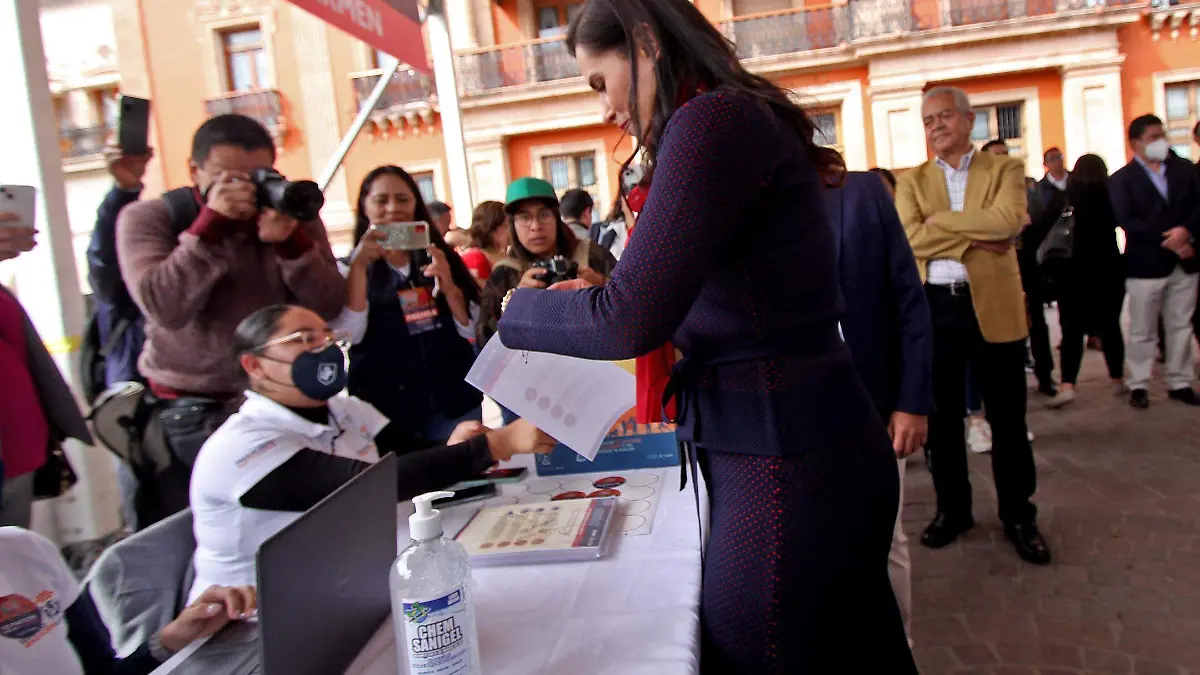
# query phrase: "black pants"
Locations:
[[1039, 338], [999, 370], [1081, 313]]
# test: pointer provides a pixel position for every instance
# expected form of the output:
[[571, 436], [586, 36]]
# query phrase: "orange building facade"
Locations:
[[1040, 74]]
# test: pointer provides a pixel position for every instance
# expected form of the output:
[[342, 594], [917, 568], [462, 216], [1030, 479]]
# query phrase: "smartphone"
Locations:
[[407, 236], [21, 200], [496, 477], [133, 127], [467, 495]]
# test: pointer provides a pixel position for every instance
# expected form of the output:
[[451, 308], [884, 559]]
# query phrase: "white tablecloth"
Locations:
[[635, 612]]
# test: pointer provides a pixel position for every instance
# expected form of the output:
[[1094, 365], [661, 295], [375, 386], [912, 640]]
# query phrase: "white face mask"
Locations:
[[1157, 150]]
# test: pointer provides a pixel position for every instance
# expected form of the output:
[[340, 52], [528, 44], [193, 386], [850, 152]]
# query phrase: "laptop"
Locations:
[[322, 588]]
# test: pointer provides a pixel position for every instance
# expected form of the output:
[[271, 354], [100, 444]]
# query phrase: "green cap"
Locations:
[[529, 188]]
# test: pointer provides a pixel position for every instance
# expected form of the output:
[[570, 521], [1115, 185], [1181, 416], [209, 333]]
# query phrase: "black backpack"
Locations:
[[181, 204]]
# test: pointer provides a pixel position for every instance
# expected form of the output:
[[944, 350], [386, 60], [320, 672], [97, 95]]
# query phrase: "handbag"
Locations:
[[56, 476], [1059, 243]]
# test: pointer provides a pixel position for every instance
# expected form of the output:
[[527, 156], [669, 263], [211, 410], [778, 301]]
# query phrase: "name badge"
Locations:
[[420, 310]]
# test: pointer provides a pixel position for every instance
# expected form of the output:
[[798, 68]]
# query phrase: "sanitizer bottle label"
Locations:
[[436, 633]]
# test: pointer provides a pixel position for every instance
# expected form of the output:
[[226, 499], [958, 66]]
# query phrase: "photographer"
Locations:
[[539, 234], [411, 315], [201, 259]]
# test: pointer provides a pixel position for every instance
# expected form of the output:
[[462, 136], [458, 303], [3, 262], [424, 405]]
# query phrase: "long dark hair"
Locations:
[[458, 270], [692, 55], [1089, 170]]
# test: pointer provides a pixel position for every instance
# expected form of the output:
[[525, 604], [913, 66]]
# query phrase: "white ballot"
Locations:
[[574, 400]]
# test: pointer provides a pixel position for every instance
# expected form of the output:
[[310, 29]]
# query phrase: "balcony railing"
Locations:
[[266, 106], [406, 88], [810, 28], [81, 142], [514, 65]]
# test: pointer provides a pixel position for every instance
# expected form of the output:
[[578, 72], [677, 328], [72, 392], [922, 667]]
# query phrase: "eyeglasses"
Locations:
[[313, 340], [525, 219]]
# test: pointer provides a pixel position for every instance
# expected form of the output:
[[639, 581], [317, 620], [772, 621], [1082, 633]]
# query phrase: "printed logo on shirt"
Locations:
[[245, 459], [28, 621]]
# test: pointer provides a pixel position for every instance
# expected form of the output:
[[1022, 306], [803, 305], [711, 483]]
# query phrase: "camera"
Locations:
[[300, 199], [558, 269]]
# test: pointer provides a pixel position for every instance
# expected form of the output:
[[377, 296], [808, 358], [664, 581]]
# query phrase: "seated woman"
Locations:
[[411, 324], [490, 236], [539, 234], [294, 442], [53, 627]]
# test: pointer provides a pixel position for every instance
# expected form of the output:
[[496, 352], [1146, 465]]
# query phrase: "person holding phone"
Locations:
[[411, 314]]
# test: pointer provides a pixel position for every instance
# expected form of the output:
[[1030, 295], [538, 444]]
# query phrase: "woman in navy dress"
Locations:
[[733, 260]]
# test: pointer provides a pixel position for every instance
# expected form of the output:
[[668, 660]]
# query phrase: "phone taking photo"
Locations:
[[412, 236], [133, 126], [21, 200]]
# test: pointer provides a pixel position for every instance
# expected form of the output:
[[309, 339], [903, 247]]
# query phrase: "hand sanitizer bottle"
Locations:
[[431, 602]]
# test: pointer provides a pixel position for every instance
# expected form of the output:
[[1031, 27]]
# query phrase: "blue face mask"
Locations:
[[318, 375]]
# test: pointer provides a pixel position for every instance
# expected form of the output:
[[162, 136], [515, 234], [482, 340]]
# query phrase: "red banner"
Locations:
[[392, 26]]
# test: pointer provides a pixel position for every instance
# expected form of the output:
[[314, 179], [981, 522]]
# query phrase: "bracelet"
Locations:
[[157, 650], [507, 297]]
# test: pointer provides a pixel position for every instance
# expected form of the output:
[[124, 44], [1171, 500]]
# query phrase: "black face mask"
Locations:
[[318, 375]]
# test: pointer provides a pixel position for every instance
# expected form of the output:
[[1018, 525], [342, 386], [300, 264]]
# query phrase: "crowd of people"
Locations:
[[833, 324]]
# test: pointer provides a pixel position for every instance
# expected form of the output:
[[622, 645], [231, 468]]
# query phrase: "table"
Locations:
[[635, 612]]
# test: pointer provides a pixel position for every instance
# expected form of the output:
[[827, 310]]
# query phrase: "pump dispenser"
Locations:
[[432, 611]]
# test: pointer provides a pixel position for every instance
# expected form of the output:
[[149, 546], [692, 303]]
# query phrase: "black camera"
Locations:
[[301, 199], [558, 269]]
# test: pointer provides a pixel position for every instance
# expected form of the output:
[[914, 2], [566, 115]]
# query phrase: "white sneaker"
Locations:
[[1062, 399], [979, 436]]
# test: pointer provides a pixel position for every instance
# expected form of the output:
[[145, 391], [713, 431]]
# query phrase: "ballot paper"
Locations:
[[574, 400]]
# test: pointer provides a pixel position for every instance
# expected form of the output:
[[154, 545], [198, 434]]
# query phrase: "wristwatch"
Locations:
[[507, 297]]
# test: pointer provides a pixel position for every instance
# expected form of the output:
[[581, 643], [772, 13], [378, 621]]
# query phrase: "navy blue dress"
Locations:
[[733, 260]]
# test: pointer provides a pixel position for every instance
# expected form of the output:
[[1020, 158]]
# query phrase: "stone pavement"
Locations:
[[1119, 497]]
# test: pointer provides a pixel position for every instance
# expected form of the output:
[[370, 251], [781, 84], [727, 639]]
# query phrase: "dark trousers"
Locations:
[[1081, 315], [999, 371], [1039, 339]]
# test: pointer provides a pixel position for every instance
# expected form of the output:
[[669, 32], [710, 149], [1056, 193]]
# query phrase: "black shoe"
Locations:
[[1048, 389], [1186, 396], [1140, 399], [1030, 543], [944, 530]]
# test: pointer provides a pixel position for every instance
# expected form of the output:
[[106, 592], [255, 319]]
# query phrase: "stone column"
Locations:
[[1093, 115], [318, 99], [487, 160], [461, 21], [896, 118]]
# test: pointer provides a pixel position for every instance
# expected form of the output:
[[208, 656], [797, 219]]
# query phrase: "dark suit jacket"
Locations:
[[1144, 215], [886, 322]]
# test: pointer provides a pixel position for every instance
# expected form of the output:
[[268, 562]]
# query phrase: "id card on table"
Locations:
[[420, 310]]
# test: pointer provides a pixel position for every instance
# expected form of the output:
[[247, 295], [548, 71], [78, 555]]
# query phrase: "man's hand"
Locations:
[[531, 278], [909, 432], [214, 608], [126, 170], [466, 431], [929, 219], [233, 196], [994, 246], [14, 240], [274, 227], [1187, 252], [1176, 238]]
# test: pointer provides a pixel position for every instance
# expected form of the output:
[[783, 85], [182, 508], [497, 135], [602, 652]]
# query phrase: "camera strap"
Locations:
[[183, 207]]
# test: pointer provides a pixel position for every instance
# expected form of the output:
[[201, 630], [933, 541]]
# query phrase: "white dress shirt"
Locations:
[[1060, 184], [945, 272]]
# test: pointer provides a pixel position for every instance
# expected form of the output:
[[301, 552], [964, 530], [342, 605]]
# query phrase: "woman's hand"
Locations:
[[593, 277], [572, 285], [466, 431], [214, 608], [439, 269], [520, 437], [531, 278], [369, 249], [13, 240]]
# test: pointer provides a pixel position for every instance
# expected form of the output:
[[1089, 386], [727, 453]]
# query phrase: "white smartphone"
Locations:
[[21, 200], [407, 236]]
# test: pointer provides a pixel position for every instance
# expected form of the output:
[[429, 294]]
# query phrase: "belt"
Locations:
[[955, 288], [685, 378]]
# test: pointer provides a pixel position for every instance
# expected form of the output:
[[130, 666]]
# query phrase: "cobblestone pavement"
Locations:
[[1119, 499]]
